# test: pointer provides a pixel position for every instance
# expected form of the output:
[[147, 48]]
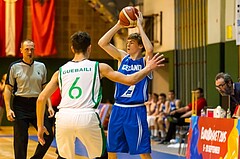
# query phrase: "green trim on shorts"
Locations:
[[103, 135]]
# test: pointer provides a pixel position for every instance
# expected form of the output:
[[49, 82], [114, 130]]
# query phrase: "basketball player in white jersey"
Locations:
[[79, 82]]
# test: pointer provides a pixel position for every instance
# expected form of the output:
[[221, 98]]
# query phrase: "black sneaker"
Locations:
[[164, 141], [153, 137], [157, 139]]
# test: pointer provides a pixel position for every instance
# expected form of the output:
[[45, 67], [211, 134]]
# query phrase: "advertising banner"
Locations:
[[213, 138]]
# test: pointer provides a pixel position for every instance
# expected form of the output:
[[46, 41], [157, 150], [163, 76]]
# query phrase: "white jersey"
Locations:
[[80, 86]]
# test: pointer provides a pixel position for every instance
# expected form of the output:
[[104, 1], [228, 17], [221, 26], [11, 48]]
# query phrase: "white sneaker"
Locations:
[[173, 141]]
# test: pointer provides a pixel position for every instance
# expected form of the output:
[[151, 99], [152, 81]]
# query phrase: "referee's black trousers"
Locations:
[[21, 139], [25, 112]]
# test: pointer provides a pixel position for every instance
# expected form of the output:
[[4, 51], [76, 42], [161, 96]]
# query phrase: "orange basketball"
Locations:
[[127, 17]]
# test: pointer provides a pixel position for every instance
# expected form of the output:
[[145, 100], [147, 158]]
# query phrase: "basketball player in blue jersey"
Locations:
[[79, 83], [128, 128], [174, 104]]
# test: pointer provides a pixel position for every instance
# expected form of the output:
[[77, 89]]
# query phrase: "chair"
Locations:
[[183, 137]]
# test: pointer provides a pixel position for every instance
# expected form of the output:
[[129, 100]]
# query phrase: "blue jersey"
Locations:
[[135, 94], [163, 107], [173, 105]]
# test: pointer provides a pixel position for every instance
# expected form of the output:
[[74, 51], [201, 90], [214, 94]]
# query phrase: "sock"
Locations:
[[152, 132], [155, 132], [163, 134]]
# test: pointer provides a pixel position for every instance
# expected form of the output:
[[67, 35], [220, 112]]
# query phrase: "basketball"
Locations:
[[127, 17]]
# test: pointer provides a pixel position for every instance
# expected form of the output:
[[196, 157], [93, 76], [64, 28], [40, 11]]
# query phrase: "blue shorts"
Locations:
[[128, 130]]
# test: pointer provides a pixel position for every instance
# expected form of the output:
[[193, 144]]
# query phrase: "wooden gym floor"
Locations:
[[7, 152], [6, 145]]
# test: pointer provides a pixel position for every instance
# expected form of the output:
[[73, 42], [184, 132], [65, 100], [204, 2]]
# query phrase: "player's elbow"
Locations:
[[41, 98], [101, 43], [150, 50]]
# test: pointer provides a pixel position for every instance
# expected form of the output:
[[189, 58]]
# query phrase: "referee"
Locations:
[[26, 78]]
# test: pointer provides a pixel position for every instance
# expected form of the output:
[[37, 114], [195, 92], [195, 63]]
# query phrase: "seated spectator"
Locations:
[[152, 111], [164, 109], [174, 104], [177, 117]]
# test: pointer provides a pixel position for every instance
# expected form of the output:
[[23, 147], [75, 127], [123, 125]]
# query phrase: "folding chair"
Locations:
[[183, 137]]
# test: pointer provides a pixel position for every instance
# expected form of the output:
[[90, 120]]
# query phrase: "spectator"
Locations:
[[174, 104], [226, 87], [178, 116], [152, 111], [2, 86], [164, 109]]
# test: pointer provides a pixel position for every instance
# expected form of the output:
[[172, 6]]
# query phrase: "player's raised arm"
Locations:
[[105, 44], [152, 64], [146, 42]]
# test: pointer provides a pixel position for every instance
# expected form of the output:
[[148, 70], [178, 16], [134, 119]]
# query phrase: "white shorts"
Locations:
[[151, 120], [83, 124]]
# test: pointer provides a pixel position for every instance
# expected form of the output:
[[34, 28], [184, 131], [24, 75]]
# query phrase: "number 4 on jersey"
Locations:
[[129, 92]]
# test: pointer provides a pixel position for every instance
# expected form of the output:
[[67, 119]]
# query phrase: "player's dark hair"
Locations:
[[172, 91], [163, 95], [80, 41]]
